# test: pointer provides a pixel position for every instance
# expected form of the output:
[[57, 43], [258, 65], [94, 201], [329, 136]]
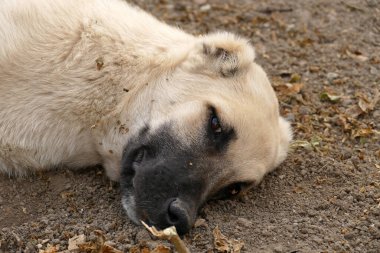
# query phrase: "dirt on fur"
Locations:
[[323, 58]]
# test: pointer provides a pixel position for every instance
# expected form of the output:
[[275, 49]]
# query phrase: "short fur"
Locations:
[[81, 79]]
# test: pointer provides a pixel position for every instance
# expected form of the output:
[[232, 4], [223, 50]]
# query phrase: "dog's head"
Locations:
[[213, 131]]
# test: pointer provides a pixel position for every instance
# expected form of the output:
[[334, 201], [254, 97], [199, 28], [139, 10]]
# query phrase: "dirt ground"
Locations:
[[323, 58]]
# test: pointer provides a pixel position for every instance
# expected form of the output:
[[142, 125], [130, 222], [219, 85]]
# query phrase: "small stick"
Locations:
[[170, 234]]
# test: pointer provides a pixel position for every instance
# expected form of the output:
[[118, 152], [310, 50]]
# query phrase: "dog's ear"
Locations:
[[221, 54]]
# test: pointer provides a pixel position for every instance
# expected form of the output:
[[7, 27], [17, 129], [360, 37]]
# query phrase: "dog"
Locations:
[[177, 119]]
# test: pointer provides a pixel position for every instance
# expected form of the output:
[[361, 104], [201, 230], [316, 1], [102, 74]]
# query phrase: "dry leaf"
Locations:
[[289, 88], [298, 189], [329, 97], [224, 245], [97, 247], [357, 56], [49, 249], [161, 249], [74, 241], [170, 234], [295, 78], [364, 132], [366, 104], [302, 144], [200, 223]]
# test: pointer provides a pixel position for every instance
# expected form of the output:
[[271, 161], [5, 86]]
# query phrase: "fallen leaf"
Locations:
[[298, 189], [97, 247], [200, 223], [74, 241], [170, 234], [295, 78], [49, 249], [161, 249], [224, 245], [364, 132], [368, 104], [329, 97], [302, 144], [289, 88], [315, 141], [357, 55]]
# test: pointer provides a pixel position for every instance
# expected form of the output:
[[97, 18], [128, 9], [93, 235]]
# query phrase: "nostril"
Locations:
[[179, 216], [173, 213]]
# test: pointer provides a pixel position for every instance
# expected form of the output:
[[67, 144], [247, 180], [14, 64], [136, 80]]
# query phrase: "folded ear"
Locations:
[[221, 54]]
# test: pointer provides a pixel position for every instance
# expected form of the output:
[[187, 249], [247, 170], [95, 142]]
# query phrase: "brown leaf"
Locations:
[[161, 249], [368, 104], [97, 247], [170, 234], [75, 241], [289, 88], [357, 55], [364, 132], [298, 189], [49, 249], [325, 96], [223, 245]]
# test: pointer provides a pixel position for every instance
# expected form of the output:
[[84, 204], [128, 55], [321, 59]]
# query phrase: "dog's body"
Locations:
[[175, 118]]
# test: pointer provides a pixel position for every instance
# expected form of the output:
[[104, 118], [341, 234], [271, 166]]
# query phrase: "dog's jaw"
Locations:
[[129, 205]]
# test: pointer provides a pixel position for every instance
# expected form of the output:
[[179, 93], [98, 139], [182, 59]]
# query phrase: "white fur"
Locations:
[[65, 66]]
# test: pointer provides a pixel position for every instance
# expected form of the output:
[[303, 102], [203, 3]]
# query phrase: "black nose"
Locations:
[[178, 215]]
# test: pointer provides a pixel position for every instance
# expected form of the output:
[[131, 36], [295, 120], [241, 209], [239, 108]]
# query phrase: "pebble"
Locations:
[[278, 248], [332, 75], [200, 223], [244, 222], [205, 7], [304, 110]]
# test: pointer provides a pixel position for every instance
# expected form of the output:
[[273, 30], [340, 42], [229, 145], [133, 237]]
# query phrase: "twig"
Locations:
[[271, 10], [170, 234]]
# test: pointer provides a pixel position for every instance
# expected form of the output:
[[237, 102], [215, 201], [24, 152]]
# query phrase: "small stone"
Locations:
[[278, 248], [110, 243], [349, 236], [303, 172], [304, 110], [332, 76], [200, 223], [200, 1], [205, 8], [244, 222]]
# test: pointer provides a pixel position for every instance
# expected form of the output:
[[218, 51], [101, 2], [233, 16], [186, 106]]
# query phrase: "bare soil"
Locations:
[[323, 58]]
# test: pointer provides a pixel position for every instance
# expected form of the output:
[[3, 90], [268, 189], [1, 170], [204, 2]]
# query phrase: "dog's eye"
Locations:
[[231, 190], [234, 189], [215, 124]]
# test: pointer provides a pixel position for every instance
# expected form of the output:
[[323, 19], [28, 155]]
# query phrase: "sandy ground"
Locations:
[[323, 58]]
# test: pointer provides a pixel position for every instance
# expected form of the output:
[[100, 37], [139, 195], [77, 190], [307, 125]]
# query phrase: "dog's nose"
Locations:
[[178, 215]]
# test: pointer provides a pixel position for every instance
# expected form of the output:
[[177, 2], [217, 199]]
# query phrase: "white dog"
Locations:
[[177, 119]]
